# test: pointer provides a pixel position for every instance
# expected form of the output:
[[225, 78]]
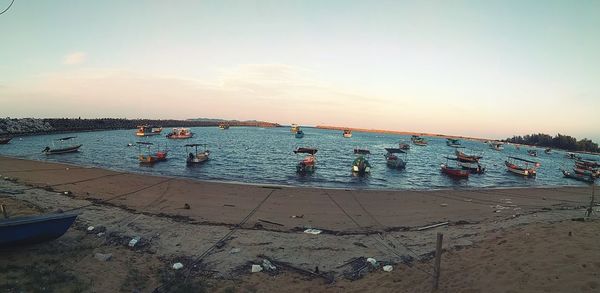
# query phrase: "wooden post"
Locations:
[[4, 211], [438, 260]]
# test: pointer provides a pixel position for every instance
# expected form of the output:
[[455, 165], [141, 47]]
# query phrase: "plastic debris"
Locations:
[[177, 266], [234, 250], [313, 231], [102, 256], [372, 261], [444, 204], [268, 265], [134, 241], [256, 268], [388, 268], [100, 234], [90, 228]]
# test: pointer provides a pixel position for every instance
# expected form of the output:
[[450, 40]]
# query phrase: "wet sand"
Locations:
[[493, 236], [328, 209]]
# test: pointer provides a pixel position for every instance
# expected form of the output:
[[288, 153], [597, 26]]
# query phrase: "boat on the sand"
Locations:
[[25, 230]]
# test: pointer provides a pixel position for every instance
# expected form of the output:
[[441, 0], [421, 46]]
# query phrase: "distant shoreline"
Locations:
[[402, 132]]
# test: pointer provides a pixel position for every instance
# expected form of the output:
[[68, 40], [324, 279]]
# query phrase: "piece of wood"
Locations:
[[269, 222], [438, 261], [433, 226]]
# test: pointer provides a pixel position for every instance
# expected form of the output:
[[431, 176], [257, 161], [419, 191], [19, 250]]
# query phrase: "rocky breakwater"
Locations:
[[25, 125]]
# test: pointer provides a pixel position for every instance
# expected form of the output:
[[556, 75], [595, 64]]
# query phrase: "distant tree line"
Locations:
[[559, 141]]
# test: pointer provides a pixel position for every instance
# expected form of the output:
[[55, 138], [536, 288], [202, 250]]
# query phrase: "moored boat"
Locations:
[[452, 142], [34, 229], [5, 140], [457, 172], [347, 133], [467, 158], [224, 126], [392, 160], [294, 128], [579, 177], [528, 168], [548, 151], [404, 146], [361, 165], [308, 163], [62, 146], [196, 157], [147, 130], [151, 157], [586, 171], [417, 140], [299, 133], [180, 133], [495, 145], [532, 153]]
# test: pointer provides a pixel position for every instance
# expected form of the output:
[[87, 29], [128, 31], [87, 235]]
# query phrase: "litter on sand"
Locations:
[[388, 268], [134, 241], [313, 231], [177, 266], [256, 268]]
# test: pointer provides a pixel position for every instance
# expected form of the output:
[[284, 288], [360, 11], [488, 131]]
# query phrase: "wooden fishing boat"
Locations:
[[5, 140], [299, 133], [361, 165], [62, 146], [151, 157], [587, 172], [180, 133], [147, 130], [196, 157], [528, 168], [308, 163], [497, 146], [392, 160], [404, 146], [579, 177], [467, 158], [456, 172], [417, 140], [455, 143], [223, 126], [347, 133], [34, 229], [473, 167], [294, 128], [573, 156], [586, 163], [532, 153]]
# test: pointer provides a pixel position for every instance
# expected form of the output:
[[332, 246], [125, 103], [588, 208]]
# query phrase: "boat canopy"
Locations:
[[66, 138], [306, 151], [362, 152], [459, 153], [144, 143], [394, 150], [194, 144], [524, 160]]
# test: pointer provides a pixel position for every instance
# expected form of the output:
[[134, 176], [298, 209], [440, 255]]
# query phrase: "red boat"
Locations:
[[150, 157], [180, 133], [455, 172]]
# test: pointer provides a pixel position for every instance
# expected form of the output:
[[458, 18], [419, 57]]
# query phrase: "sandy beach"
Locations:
[[495, 240]]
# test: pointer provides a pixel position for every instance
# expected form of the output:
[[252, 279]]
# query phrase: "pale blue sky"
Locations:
[[482, 68]]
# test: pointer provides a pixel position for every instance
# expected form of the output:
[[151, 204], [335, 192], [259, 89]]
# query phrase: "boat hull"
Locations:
[[34, 229], [520, 171], [454, 172], [72, 149], [5, 140], [579, 177]]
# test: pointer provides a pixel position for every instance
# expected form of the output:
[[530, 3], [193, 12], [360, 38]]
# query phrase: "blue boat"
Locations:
[[34, 229], [299, 133]]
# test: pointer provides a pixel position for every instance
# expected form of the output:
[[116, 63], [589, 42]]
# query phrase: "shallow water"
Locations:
[[264, 156]]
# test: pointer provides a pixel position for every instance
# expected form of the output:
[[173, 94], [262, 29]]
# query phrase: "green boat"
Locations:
[[361, 165]]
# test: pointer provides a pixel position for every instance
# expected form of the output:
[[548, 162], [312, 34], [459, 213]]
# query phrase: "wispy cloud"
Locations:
[[75, 58]]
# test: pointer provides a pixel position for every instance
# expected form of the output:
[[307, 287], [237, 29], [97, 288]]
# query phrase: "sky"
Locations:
[[488, 69]]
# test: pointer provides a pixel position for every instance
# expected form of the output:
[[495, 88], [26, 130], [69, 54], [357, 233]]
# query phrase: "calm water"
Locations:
[[264, 156]]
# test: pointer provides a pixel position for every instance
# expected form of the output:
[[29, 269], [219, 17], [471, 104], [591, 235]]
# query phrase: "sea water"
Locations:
[[265, 156]]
